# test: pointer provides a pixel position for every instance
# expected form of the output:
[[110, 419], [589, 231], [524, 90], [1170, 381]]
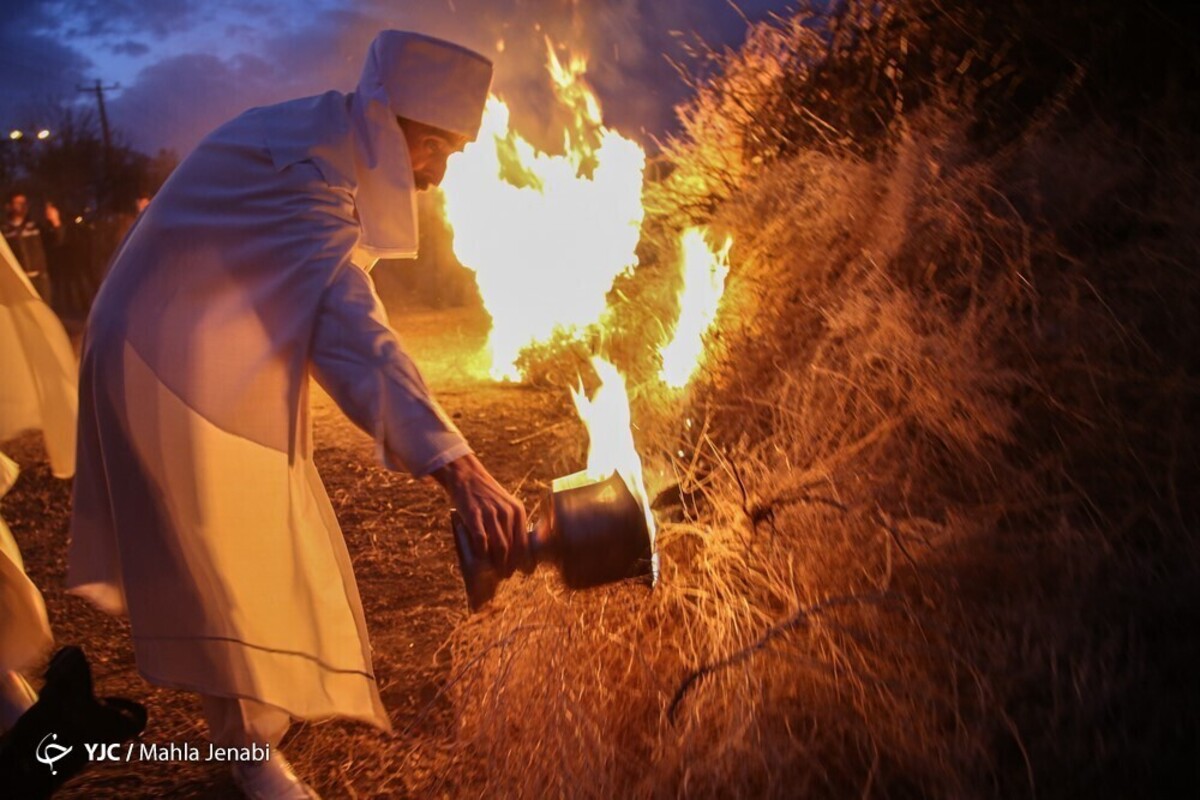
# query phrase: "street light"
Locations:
[[17, 134], [20, 157]]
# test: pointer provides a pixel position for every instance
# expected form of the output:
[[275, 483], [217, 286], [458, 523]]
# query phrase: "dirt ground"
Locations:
[[398, 536]]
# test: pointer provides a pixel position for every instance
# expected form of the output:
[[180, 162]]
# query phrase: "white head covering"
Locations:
[[423, 79]]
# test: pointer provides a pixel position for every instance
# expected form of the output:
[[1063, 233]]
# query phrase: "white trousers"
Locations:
[[237, 722]]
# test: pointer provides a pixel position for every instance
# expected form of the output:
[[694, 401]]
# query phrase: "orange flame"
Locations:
[[610, 439], [545, 234], [704, 272]]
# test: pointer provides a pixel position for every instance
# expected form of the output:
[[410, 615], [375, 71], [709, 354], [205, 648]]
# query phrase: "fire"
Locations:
[[704, 271], [610, 439], [545, 234]]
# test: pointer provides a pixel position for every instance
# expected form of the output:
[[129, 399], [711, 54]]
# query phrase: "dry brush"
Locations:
[[926, 529]]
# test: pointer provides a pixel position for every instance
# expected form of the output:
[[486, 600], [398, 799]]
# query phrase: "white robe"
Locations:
[[24, 629], [38, 391], [38, 373], [197, 507]]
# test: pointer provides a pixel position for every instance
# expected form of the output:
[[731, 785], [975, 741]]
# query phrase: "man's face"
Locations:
[[428, 150], [17, 206]]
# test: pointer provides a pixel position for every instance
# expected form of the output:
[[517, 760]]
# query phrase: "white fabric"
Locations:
[[421, 78], [431, 80], [16, 697], [386, 197], [38, 373], [24, 628], [197, 507], [38, 390]]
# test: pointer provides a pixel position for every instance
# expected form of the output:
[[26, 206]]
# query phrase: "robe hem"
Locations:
[[382, 722], [107, 596]]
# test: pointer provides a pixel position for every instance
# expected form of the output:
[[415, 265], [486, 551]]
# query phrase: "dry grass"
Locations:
[[928, 531]]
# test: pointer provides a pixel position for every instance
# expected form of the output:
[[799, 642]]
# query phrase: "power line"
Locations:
[[99, 89]]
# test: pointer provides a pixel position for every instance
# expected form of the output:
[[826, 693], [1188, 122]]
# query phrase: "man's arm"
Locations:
[[53, 231], [486, 506], [357, 358]]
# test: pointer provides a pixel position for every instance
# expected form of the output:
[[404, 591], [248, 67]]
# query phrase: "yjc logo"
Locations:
[[49, 752], [103, 752]]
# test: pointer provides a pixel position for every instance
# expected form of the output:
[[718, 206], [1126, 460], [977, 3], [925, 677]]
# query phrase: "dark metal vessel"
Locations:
[[596, 532]]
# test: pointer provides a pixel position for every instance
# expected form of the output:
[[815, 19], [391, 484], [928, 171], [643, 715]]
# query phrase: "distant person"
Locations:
[[124, 221], [29, 240], [70, 271], [198, 509]]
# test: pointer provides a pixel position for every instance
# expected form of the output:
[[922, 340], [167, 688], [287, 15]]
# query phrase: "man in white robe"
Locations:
[[24, 629], [38, 390], [197, 508], [39, 377]]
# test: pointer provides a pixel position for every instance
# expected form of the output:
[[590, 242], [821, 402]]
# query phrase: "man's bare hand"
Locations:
[[495, 519]]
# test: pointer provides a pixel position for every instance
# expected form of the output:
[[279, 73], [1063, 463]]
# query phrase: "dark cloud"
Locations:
[[130, 48], [38, 72], [240, 30], [175, 102], [631, 45], [637, 48], [95, 18]]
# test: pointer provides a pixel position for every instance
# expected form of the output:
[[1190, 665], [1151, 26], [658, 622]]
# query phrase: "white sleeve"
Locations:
[[357, 358]]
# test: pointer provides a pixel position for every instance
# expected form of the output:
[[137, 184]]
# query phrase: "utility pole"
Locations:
[[99, 89]]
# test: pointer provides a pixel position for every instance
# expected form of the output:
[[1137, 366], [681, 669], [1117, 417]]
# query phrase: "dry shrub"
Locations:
[[928, 533]]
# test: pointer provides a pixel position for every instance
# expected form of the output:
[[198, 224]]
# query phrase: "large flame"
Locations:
[[545, 234], [704, 271], [610, 439]]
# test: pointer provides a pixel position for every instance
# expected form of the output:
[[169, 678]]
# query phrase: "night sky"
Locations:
[[185, 66]]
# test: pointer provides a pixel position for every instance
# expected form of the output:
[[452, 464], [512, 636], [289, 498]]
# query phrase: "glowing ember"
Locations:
[[704, 274], [610, 439], [545, 234]]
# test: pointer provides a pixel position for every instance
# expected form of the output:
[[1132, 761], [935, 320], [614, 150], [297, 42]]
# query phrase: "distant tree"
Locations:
[[68, 167], [159, 168], [71, 168]]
